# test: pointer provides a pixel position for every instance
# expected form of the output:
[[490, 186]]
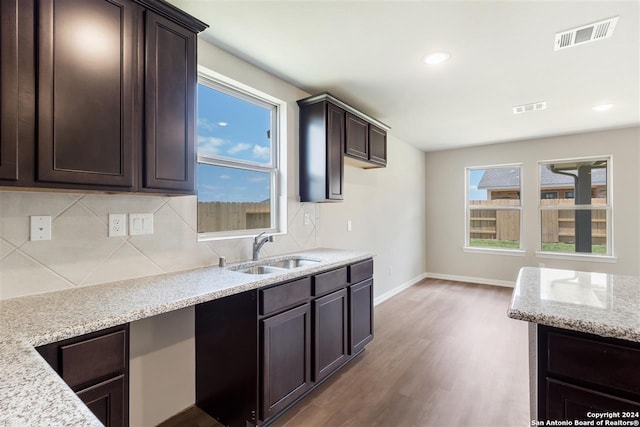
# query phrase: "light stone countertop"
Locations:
[[32, 394], [597, 303]]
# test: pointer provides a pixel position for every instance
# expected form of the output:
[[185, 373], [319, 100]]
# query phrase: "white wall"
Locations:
[[445, 215], [386, 209]]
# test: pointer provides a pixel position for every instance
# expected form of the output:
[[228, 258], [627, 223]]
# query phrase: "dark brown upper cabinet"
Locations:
[[9, 90], [170, 105], [322, 132], [107, 101], [357, 139], [331, 130], [86, 92], [377, 145]]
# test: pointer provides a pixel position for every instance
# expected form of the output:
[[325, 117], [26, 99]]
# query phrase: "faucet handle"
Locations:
[[257, 238]]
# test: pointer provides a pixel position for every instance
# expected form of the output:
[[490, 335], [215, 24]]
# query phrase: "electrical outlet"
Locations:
[[117, 225], [306, 219], [348, 225]]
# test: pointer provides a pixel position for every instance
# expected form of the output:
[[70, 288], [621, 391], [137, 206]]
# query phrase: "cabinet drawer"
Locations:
[[606, 364], [360, 271], [326, 282], [93, 359], [283, 296]]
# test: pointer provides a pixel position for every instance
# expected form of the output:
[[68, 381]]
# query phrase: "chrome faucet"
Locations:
[[258, 243]]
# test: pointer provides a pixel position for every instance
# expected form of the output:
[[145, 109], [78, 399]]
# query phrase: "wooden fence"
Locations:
[[558, 226], [223, 216]]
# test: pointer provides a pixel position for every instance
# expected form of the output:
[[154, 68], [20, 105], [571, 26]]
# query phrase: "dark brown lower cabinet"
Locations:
[[580, 373], [361, 315], [261, 351], [96, 367], [330, 333], [286, 358], [105, 400], [570, 402]]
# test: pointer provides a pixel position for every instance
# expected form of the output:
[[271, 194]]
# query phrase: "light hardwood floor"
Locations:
[[444, 354]]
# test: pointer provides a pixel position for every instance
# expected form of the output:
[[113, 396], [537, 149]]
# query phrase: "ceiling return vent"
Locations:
[[586, 33]]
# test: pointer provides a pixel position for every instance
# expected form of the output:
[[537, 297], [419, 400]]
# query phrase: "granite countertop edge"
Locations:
[[32, 393], [617, 321]]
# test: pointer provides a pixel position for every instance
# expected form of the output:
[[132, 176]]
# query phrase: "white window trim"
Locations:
[[609, 257], [279, 157], [475, 249]]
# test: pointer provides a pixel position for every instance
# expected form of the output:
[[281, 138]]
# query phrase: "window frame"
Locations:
[[277, 167], [467, 216], [608, 208]]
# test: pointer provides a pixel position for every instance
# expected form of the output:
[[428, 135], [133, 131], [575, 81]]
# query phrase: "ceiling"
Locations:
[[370, 55]]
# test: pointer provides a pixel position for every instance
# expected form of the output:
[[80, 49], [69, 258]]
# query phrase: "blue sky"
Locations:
[[233, 128], [474, 177]]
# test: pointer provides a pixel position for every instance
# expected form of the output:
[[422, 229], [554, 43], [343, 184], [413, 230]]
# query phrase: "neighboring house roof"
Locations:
[[505, 178]]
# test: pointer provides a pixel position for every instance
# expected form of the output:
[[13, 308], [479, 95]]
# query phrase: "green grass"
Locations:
[[494, 244], [571, 248], [547, 247]]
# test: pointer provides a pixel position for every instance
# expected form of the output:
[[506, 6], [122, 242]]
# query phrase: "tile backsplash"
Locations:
[[81, 254]]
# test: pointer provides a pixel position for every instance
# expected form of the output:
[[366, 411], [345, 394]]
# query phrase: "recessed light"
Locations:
[[436, 58], [603, 107]]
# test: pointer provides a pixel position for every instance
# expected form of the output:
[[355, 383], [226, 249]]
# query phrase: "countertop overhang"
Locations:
[[31, 393], [597, 303]]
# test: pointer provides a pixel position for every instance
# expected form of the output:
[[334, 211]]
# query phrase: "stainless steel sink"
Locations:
[[259, 269], [274, 266], [292, 263]]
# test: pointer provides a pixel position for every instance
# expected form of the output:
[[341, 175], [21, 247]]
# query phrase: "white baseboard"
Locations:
[[395, 291], [480, 280]]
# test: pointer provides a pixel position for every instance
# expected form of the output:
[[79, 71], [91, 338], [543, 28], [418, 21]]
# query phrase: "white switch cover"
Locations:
[[140, 224], [348, 225], [40, 228], [117, 225]]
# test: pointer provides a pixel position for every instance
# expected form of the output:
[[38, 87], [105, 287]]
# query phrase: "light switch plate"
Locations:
[[40, 228], [140, 224]]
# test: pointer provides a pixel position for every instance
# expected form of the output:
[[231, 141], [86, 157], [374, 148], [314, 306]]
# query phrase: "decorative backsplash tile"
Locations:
[[81, 254]]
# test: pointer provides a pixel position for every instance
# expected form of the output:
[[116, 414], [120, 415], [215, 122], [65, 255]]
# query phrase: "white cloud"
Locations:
[[210, 145], [224, 177], [263, 153], [473, 187], [257, 179], [206, 124], [241, 146]]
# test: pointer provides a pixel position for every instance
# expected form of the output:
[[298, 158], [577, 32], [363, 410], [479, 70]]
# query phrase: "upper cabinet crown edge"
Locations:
[[326, 96]]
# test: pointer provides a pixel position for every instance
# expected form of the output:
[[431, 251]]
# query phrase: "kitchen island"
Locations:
[[584, 345], [32, 394]]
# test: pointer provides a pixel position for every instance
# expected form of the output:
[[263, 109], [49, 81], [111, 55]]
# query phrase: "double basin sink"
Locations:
[[273, 266]]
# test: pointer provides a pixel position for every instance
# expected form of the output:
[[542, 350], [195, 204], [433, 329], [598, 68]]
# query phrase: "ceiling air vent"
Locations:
[[527, 108], [586, 33]]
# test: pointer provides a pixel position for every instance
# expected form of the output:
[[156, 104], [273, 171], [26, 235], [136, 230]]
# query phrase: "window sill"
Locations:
[[489, 251], [577, 257]]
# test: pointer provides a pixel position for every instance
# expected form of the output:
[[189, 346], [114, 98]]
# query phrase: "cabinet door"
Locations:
[[335, 148], [360, 315], [170, 88], [377, 145], [569, 402], [330, 333], [106, 401], [357, 140], [86, 92], [8, 90], [286, 358]]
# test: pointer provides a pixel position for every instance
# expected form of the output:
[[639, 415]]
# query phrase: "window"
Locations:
[[579, 223], [493, 207], [240, 161]]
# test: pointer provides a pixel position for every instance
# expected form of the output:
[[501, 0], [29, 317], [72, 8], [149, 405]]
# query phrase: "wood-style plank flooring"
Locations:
[[444, 354]]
